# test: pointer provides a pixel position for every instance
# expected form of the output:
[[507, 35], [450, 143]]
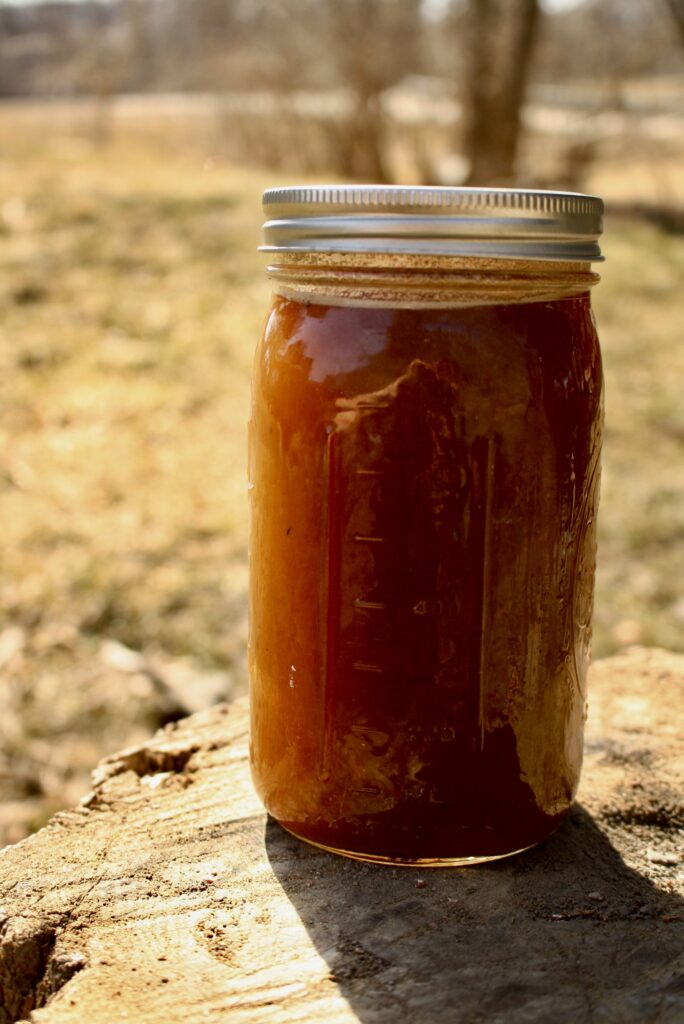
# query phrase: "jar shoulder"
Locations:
[[546, 352]]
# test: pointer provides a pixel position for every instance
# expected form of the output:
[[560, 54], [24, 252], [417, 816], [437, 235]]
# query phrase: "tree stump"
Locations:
[[169, 896]]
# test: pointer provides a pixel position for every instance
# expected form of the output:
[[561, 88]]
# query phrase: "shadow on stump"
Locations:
[[565, 933]]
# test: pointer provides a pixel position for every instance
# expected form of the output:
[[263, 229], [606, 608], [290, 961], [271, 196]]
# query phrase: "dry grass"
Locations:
[[131, 297], [640, 311]]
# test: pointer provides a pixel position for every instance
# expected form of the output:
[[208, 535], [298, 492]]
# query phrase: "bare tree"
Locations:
[[677, 11], [502, 37], [374, 43]]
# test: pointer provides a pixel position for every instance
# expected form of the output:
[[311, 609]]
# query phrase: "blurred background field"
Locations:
[[132, 295]]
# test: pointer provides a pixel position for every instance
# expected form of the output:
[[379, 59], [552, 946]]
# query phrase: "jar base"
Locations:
[[403, 862]]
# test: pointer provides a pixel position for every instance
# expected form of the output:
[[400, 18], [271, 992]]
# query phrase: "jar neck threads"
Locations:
[[408, 280]]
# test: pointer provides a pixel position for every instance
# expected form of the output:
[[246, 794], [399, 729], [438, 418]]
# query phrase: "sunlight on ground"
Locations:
[[131, 298]]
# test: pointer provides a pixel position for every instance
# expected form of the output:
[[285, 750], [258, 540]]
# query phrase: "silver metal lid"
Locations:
[[500, 223]]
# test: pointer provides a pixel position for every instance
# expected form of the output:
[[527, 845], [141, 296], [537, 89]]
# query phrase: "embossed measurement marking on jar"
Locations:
[[488, 482], [363, 603], [355, 501], [365, 552]]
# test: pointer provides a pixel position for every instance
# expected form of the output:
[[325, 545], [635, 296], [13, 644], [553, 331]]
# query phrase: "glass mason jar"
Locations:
[[424, 469]]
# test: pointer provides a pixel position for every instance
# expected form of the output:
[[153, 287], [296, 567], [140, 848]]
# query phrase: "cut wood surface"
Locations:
[[168, 896]]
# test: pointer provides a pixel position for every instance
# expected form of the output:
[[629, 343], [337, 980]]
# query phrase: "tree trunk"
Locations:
[[501, 46], [677, 12]]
